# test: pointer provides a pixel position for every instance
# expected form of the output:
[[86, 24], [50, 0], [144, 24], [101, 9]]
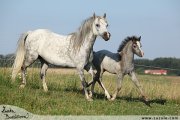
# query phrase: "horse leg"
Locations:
[[92, 88], [44, 67], [138, 85], [118, 85], [89, 69], [95, 77], [91, 92], [23, 74], [84, 84], [27, 62], [93, 82]]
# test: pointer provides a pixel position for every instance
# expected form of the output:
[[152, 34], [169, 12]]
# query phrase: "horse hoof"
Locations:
[[145, 98], [21, 86], [112, 99], [45, 90], [109, 98], [89, 99], [90, 94]]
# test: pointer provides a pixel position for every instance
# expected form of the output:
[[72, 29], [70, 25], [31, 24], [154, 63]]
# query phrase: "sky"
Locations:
[[156, 21]]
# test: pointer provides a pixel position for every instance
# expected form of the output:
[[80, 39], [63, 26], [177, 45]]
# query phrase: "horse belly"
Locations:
[[62, 62], [56, 53], [58, 60]]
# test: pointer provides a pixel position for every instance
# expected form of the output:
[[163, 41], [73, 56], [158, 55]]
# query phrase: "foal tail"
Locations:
[[20, 55]]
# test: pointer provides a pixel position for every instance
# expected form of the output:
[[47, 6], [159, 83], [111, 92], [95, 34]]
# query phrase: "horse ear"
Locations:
[[104, 16], [139, 38], [94, 15]]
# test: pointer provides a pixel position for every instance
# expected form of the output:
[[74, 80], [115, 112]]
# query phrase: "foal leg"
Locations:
[[84, 84], [98, 78], [118, 85], [92, 83], [138, 85], [102, 85], [43, 74]]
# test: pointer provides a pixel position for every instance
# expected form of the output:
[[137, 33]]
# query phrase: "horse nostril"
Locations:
[[142, 53], [105, 34]]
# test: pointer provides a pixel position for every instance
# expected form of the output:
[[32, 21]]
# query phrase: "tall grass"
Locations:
[[65, 95]]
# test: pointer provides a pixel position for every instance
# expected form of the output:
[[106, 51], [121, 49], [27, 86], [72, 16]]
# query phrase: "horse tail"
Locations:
[[19, 56]]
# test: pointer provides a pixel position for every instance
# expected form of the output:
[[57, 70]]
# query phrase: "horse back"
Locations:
[[50, 46]]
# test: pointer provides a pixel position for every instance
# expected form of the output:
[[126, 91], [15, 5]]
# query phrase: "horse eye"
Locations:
[[107, 25], [134, 46], [97, 25]]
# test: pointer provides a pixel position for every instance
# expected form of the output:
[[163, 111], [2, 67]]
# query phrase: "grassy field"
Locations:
[[65, 96]]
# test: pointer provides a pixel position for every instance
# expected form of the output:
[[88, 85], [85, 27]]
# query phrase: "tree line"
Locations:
[[172, 65]]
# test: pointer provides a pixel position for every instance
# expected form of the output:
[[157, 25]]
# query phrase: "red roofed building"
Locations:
[[156, 72]]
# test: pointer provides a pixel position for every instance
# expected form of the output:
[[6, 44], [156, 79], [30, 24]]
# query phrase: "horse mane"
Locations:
[[125, 41], [78, 37]]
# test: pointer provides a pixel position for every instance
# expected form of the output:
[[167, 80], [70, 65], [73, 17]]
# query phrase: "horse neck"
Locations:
[[127, 57], [88, 42]]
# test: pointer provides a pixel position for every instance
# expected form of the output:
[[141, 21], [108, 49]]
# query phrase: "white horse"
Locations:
[[72, 50], [120, 63]]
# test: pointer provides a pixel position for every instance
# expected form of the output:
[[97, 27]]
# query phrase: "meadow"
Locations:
[[65, 95]]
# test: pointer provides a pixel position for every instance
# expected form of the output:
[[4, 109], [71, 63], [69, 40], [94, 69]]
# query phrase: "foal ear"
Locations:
[[139, 38], [134, 41], [94, 15], [104, 16]]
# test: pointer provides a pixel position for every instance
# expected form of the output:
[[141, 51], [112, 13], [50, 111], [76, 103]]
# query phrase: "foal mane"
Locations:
[[78, 37], [125, 41]]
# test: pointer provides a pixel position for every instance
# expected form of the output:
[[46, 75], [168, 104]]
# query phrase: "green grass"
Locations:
[[65, 96]]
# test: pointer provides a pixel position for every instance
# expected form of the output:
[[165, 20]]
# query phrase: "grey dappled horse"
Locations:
[[72, 50], [120, 63]]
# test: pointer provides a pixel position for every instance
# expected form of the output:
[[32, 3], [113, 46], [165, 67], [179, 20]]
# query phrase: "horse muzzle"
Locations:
[[142, 54], [106, 36]]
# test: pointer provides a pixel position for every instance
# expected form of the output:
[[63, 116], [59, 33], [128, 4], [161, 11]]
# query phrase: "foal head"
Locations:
[[100, 25], [132, 42], [136, 46]]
